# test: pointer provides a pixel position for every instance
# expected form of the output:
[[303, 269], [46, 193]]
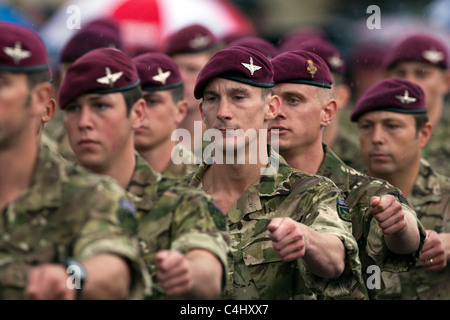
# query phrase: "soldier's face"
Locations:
[[300, 118], [163, 116], [389, 142], [236, 108], [15, 112], [190, 66], [99, 129]]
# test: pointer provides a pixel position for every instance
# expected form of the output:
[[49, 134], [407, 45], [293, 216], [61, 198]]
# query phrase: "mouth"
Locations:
[[281, 129], [379, 156], [86, 143], [141, 129]]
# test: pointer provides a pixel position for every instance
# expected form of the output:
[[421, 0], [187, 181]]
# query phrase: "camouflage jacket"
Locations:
[[172, 216], [256, 270], [430, 198], [358, 188], [437, 150], [66, 212]]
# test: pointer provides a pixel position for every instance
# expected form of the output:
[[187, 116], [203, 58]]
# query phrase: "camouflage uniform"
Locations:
[[66, 212], [174, 217], [256, 270], [431, 200], [437, 150], [187, 165], [357, 189]]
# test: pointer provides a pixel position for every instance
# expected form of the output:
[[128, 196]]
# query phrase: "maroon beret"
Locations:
[[102, 70], [157, 71], [190, 39], [392, 94], [302, 67], [262, 45], [326, 50], [236, 63], [290, 40], [21, 50], [97, 34], [420, 47]]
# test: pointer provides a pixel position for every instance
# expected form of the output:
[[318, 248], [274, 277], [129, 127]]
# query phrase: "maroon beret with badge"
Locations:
[[262, 45], [327, 51], [21, 50], [102, 70], [419, 47], [239, 64], [392, 94], [96, 34], [157, 71], [302, 67], [190, 39]]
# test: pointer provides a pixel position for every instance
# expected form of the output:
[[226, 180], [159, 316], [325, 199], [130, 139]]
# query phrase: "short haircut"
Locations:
[[131, 97]]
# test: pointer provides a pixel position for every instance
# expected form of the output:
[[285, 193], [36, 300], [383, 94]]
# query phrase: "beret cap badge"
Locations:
[[250, 66], [110, 78], [312, 69]]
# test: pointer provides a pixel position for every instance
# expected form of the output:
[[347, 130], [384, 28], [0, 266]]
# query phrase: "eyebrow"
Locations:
[[229, 91]]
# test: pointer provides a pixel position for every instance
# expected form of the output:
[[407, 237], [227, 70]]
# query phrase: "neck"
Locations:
[[404, 179], [330, 133], [19, 173], [307, 159], [159, 157], [435, 114]]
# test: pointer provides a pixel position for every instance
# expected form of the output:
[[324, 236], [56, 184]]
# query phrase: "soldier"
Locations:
[[391, 241], [98, 33], [393, 129], [423, 59], [191, 47], [339, 134], [163, 92], [55, 217], [288, 241], [182, 233]]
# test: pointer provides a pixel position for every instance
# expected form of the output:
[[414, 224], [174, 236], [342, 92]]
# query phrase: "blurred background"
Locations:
[[148, 22]]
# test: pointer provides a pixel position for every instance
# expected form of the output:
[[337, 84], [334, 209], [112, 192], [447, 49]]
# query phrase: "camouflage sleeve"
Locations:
[[184, 219], [200, 224], [331, 216], [109, 228], [378, 251]]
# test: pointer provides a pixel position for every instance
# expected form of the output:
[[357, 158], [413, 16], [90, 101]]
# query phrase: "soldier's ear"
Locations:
[[274, 107], [41, 94], [425, 134], [138, 113]]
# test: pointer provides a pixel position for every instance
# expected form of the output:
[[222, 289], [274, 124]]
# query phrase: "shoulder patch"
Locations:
[[127, 216], [343, 211]]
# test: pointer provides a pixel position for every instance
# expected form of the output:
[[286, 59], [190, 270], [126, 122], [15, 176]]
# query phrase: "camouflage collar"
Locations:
[[266, 186], [334, 168], [427, 187], [143, 176]]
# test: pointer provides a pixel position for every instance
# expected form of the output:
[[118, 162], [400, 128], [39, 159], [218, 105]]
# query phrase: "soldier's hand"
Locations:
[[433, 255], [288, 238], [389, 213], [48, 282], [172, 270]]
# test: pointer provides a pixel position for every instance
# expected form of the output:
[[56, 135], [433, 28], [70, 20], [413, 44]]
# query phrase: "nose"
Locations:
[[377, 135], [85, 119], [224, 112]]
